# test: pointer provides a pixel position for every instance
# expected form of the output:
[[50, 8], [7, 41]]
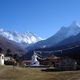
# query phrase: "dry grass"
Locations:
[[17, 73]]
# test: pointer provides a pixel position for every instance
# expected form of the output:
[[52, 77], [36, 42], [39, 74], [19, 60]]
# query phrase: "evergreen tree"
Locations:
[[8, 53], [1, 50]]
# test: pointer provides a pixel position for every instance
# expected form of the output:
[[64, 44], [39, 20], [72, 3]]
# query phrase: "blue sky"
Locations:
[[42, 17]]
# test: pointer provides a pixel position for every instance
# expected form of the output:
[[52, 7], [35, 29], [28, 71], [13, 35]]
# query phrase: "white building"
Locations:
[[34, 61], [1, 59]]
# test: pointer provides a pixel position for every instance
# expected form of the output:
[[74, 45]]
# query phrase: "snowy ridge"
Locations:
[[68, 31], [73, 29], [26, 37], [63, 33]]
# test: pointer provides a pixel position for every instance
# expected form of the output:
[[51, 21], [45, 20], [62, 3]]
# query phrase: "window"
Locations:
[[2, 57]]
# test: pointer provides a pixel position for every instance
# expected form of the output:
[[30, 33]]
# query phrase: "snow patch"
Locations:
[[27, 38]]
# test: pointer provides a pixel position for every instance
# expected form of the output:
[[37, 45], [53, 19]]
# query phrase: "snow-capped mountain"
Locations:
[[72, 30], [27, 37], [63, 33]]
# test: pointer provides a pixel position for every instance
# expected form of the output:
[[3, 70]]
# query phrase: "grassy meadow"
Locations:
[[18, 73]]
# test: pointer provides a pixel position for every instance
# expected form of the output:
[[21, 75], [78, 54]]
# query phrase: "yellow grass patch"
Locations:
[[17, 73]]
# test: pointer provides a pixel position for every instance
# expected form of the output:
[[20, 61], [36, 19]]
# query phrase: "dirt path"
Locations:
[[2, 70], [75, 77]]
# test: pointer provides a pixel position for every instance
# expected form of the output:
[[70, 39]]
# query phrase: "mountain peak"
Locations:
[[75, 24], [27, 37]]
